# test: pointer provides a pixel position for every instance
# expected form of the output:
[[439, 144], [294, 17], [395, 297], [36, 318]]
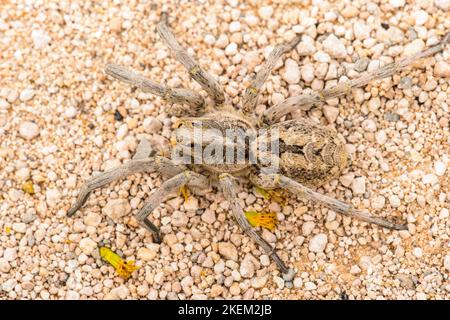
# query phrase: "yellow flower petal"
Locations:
[[123, 269], [266, 220]]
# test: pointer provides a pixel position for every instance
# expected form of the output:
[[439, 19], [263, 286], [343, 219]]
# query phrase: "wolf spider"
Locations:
[[309, 154]]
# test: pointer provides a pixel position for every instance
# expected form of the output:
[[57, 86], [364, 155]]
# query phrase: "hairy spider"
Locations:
[[308, 155]]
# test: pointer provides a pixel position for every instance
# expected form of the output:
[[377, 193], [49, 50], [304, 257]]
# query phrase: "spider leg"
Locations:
[[228, 187], [272, 180], [304, 102], [180, 96], [159, 164], [186, 177], [251, 94], [207, 81]]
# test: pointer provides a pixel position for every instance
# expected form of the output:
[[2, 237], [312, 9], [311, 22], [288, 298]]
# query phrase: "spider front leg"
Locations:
[[189, 178], [207, 81], [304, 102], [270, 180], [140, 163], [228, 187], [179, 96], [253, 91]]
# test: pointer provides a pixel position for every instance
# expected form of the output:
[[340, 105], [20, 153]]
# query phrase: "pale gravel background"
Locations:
[[397, 131]]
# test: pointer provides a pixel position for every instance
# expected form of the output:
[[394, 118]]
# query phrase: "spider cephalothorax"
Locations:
[[226, 143]]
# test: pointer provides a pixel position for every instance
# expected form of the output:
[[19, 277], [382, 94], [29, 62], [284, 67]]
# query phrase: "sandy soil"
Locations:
[[62, 120]]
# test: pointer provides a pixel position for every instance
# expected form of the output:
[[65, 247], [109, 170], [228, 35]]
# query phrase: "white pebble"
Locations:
[[40, 38], [209, 216], [361, 30], [318, 243], [381, 137], [87, 245], [414, 47], [291, 72], [92, 219], [117, 208], [191, 204], [70, 112], [234, 26], [23, 174], [394, 201], [279, 282], [228, 251], [52, 197], [447, 262], [179, 219], [421, 17], [19, 227], [359, 185], [26, 95], [417, 252], [307, 228], [310, 286], [430, 179], [148, 254], [72, 295], [397, 3], [378, 202], [259, 282], [442, 69], [4, 265], [308, 72], [247, 268], [347, 179], [374, 104], [330, 113], [10, 254], [251, 20], [28, 130], [333, 46], [9, 285], [442, 4], [222, 41], [122, 131], [369, 125], [444, 213], [209, 39], [439, 168], [421, 296], [265, 12], [231, 49]]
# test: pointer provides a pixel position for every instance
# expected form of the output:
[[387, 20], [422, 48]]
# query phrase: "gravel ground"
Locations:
[[62, 119]]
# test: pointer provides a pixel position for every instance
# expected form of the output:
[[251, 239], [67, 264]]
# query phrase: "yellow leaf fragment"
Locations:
[[8, 230], [262, 192], [272, 195], [184, 192], [123, 269], [27, 187], [263, 219]]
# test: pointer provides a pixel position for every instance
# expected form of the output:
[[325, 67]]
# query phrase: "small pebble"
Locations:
[[318, 243], [228, 251], [291, 72], [333, 46], [359, 185], [26, 95], [29, 130]]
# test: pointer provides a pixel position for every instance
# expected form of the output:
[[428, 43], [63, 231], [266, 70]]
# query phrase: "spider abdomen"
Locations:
[[307, 152]]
